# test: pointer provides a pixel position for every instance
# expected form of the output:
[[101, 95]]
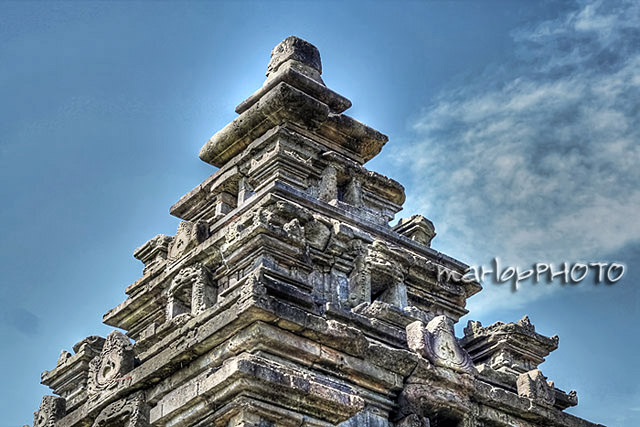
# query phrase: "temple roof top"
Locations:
[[295, 95]]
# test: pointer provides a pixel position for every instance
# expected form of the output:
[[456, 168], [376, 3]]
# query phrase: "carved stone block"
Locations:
[[116, 359], [417, 228], [51, 410], [189, 235], [191, 291], [535, 386], [437, 343], [131, 411], [154, 252]]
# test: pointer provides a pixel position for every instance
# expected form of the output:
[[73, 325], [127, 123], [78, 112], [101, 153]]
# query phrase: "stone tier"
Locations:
[[513, 348]]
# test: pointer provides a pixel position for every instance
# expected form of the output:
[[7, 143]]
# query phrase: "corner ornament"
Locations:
[[115, 360], [534, 385], [437, 343]]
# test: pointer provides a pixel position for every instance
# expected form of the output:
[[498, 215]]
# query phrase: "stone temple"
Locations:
[[286, 298]]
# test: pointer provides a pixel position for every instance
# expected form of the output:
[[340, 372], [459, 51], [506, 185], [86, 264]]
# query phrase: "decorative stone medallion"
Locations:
[[115, 360], [437, 343]]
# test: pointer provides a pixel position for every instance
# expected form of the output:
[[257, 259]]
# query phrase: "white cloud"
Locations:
[[547, 166]]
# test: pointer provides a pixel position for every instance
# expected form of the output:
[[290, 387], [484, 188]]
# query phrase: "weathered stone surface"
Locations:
[[535, 386], [294, 92], [108, 368], [191, 292], [187, 237], [154, 253], [131, 411], [513, 348], [417, 228], [437, 343], [69, 378], [286, 298], [294, 49], [52, 409]]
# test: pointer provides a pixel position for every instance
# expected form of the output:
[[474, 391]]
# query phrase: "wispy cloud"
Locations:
[[22, 320], [543, 164]]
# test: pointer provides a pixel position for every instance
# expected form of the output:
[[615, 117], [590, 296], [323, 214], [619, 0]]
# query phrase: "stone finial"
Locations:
[[534, 385], [154, 252], [294, 96], [526, 324], [295, 49], [64, 355], [417, 228]]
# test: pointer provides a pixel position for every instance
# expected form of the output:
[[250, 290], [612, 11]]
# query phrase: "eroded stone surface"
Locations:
[[286, 298], [51, 410]]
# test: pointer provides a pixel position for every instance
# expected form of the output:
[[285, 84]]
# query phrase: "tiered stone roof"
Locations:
[[286, 298]]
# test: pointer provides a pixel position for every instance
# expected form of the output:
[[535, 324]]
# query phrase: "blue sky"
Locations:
[[513, 125]]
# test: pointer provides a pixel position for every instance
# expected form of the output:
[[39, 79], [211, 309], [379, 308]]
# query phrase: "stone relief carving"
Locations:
[[116, 359], [188, 236], [437, 343], [131, 411], [191, 291], [51, 410]]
